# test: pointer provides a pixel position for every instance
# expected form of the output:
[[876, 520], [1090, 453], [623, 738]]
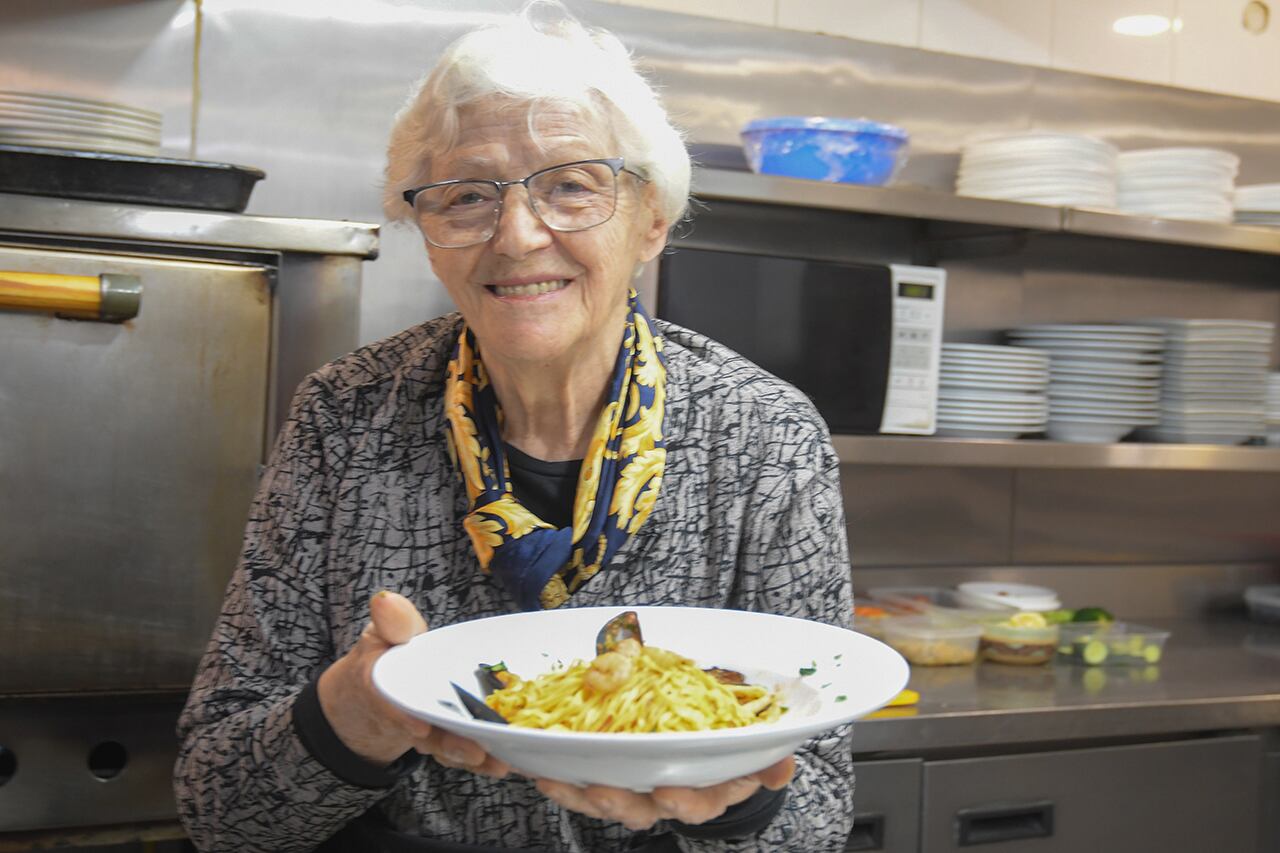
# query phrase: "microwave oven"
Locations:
[[863, 341]]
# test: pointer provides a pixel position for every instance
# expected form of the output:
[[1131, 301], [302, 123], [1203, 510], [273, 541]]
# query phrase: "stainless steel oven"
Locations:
[[146, 357]]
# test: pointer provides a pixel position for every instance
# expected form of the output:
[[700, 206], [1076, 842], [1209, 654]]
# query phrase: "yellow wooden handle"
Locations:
[[95, 297]]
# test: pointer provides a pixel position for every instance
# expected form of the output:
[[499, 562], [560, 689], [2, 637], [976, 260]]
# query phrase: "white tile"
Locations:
[[1212, 50], [888, 21], [1084, 39], [1008, 30], [762, 12]]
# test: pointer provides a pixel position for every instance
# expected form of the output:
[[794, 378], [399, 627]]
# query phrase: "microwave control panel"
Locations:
[[911, 399]]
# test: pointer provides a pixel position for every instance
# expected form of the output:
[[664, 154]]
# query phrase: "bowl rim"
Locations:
[[828, 123]]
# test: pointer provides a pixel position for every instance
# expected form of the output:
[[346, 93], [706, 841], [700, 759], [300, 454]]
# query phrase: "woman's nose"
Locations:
[[519, 230]]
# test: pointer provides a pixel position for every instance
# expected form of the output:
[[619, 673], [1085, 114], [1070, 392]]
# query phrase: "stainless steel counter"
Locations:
[[1213, 676]]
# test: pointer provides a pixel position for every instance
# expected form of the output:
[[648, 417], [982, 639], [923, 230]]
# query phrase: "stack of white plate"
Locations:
[[1258, 204], [1273, 408], [1213, 388], [1045, 168], [992, 391], [1104, 379], [61, 121], [1179, 183]]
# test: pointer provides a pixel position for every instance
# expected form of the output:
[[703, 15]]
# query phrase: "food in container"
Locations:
[[1025, 638], [867, 618], [936, 601], [845, 150], [1110, 643], [932, 641]]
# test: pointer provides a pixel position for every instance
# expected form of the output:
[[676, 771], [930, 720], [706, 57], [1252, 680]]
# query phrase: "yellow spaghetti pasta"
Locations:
[[641, 689]]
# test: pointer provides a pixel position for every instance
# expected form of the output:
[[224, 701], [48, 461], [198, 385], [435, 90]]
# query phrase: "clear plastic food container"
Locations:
[[1263, 602], [1110, 643], [932, 641], [938, 601], [1003, 643]]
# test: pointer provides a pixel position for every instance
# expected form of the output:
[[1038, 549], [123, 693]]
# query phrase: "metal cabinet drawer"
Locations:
[[1183, 797], [886, 806]]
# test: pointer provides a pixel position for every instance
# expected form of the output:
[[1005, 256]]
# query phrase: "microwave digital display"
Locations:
[[915, 291]]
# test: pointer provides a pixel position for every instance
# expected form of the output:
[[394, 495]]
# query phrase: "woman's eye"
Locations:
[[466, 199], [570, 188]]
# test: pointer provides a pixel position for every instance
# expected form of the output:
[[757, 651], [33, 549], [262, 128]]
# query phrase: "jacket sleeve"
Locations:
[[794, 561], [244, 780]]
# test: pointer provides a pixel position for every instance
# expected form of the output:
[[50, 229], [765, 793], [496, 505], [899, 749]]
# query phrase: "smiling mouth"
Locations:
[[536, 288]]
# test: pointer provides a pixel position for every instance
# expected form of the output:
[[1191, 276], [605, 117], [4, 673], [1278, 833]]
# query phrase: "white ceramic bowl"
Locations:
[[854, 675]]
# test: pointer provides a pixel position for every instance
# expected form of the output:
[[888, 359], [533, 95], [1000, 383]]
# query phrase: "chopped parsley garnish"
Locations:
[[828, 684], [810, 669], [841, 698], [838, 657]]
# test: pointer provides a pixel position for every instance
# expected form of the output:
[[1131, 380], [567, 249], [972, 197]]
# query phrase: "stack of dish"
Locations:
[[1214, 380], [992, 391], [1045, 168], [1273, 408], [1179, 183], [1104, 380], [61, 121], [1258, 204]]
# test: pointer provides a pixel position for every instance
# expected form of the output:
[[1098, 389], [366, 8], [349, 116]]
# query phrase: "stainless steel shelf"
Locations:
[[911, 203], [938, 206], [1032, 453]]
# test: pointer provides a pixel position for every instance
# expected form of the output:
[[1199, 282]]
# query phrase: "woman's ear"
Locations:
[[657, 230]]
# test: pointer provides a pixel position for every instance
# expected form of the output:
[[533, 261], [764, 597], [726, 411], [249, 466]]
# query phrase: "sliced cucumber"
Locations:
[[1151, 654], [1094, 652]]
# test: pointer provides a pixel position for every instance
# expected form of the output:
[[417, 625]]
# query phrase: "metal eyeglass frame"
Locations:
[[617, 164]]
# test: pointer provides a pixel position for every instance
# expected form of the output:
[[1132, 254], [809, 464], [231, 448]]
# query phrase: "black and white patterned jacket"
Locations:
[[360, 495]]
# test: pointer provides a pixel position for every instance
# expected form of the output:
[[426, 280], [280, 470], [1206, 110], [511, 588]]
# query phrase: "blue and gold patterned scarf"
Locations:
[[539, 564]]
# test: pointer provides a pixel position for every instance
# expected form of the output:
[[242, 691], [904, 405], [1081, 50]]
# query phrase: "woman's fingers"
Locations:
[[632, 810], [571, 797], [461, 753], [395, 619], [699, 805]]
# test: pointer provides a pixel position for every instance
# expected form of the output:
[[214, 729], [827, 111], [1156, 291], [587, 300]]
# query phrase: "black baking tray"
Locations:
[[127, 178]]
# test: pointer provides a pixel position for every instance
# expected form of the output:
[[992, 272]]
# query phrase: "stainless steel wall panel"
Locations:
[[1144, 517], [128, 456], [139, 54], [918, 516]]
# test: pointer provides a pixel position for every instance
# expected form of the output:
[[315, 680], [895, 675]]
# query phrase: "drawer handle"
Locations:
[[109, 297], [867, 834], [990, 824]]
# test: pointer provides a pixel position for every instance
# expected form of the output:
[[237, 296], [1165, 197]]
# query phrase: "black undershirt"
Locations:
[[547, 489]]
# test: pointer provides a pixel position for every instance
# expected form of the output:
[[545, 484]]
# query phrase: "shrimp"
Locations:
[[611, 670]]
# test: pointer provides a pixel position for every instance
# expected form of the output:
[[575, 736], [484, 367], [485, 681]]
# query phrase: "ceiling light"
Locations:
[[1142, 25]]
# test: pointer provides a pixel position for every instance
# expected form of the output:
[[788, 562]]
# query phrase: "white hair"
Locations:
[[552, 61]]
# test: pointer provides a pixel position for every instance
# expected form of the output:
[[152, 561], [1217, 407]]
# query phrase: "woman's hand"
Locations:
[[371, 726], [687, 805]]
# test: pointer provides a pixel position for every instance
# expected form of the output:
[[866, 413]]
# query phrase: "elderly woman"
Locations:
[[548, 446]]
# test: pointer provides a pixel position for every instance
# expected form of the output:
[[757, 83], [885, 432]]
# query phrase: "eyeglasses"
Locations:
[[569, 197]]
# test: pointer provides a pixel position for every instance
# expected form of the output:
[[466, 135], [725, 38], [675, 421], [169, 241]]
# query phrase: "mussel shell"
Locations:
[[621, 627]]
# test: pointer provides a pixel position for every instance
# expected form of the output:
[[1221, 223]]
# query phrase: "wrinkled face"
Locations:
[[532, 295]]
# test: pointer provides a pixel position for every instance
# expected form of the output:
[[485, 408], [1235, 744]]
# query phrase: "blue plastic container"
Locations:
[[851, 151]]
